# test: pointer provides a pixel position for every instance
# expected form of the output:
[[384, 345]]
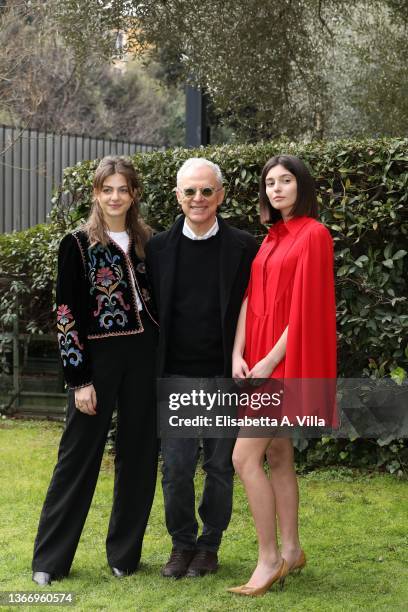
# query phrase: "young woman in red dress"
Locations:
[[286, 330]]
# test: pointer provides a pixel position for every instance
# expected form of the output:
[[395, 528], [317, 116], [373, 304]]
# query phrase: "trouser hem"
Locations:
[[183, 546], [54, 575]]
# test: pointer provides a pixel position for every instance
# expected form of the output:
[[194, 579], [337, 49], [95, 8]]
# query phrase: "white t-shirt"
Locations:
[[122, 240]]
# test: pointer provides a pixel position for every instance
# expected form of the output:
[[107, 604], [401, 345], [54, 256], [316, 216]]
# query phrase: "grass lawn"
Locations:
[[353, 528]]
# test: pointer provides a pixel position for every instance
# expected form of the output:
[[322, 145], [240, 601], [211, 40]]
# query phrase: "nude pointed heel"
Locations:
[[237, 589], [259, 591], [282, 582], [299, 564]]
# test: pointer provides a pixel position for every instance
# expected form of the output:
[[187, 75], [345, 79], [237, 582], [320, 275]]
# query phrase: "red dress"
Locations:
[[292, 284]]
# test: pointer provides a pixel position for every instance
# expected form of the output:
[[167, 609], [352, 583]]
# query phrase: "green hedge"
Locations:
[[27, 273], [363, 192]]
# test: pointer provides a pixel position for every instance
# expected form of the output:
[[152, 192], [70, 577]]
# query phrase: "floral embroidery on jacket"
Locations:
[[68, 337], [107, 279]]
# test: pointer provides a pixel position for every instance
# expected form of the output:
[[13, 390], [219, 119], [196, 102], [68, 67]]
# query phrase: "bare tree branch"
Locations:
[[322, 20]]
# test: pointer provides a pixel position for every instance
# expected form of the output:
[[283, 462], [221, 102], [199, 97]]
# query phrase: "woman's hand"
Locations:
[[85, 400], [239, 367], [262, 369]]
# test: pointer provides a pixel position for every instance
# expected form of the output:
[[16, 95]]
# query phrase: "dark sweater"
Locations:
[[195, 342]]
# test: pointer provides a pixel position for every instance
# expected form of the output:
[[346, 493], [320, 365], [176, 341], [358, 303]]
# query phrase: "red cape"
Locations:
[[292, 284]]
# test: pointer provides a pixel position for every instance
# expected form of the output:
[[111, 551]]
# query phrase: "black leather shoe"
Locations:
[[204, 562], [178, 563], [118, 573], [42, 578]]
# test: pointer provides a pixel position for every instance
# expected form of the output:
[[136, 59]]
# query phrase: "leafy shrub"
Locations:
[[363, 191], [27, 271], [384, 455]]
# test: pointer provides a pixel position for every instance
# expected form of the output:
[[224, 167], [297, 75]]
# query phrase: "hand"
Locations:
[[85, 400], [262, 369], [239, 367]]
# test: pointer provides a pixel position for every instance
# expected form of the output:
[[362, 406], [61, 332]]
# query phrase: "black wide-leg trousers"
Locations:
[[123, 376]]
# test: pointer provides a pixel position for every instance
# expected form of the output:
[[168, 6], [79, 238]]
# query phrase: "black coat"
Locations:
[[238, 249]]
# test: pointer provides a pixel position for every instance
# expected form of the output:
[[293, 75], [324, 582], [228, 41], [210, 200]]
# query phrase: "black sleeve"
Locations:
[[253, 247], [150, 272], [71, 299]]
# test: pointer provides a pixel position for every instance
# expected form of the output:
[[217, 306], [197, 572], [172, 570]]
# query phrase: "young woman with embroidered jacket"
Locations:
[[107, 336]]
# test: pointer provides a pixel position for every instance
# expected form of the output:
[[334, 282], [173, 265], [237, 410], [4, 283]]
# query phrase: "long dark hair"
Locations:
[[96, 227], [306, 200]]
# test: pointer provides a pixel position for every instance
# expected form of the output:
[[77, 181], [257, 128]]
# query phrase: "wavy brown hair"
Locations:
[[137, 229]]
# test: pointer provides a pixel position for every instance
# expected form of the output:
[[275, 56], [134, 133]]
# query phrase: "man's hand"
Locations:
[[85, 400], [239, 367]]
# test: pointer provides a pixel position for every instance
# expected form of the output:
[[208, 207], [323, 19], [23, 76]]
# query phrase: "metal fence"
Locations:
[[31, 376], [32, 164]]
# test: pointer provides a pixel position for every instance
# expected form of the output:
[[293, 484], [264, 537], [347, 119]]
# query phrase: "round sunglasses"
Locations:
[[206, 192]]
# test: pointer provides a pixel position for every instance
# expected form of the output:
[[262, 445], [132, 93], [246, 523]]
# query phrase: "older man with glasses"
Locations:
[[199, 270]]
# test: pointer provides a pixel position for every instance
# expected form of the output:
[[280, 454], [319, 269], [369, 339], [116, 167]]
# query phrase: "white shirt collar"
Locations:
[[187, 231]]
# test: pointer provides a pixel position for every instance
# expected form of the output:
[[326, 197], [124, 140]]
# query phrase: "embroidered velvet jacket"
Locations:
[[96, 299]]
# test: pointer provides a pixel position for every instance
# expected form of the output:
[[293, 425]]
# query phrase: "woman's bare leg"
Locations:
[[284, 484], [248, 458]]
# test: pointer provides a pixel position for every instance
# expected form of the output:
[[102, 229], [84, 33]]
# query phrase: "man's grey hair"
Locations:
[[195, 162]]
